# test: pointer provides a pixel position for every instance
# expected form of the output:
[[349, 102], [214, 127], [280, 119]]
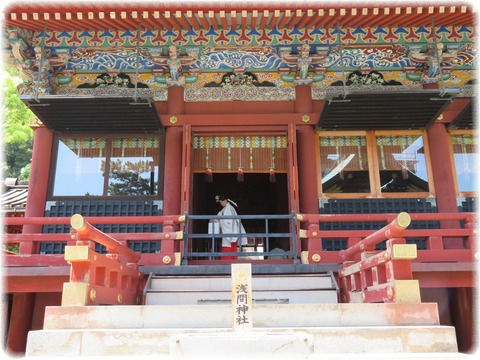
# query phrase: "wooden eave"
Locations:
[[465, 118], [83, 114], [184, 15], [383, 110]]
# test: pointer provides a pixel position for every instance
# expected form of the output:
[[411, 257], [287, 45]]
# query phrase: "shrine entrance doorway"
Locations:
[[261, 187]]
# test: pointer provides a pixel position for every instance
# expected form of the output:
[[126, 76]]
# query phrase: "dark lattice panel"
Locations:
[[52, 247], [467, 205], [374, 206], [104, 208]]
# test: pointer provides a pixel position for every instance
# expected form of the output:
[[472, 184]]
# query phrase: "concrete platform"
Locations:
[[324, 340], [220, 316], [293, 331]]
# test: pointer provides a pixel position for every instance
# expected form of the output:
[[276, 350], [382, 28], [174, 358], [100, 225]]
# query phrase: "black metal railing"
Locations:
[[201, 221]]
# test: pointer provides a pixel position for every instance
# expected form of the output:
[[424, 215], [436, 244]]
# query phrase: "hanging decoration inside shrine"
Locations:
[[240, 176], [239, 155], [271, 177], [208, 172]]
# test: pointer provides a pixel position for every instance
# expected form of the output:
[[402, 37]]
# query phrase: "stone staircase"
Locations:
[[280, 330], [294, 316], [216, 289]]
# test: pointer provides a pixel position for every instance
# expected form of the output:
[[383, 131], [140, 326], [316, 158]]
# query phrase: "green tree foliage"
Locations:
[[16, 133], [128, 183]]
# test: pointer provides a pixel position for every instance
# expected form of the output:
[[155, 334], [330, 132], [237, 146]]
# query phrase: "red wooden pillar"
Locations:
[[172, 191], [303, 99], [307, 186], [462, 309], [175, 100], [38, 184], [172, 171], [307, 169], [20, 322], [173, 154], [443, 177], [307, 173]]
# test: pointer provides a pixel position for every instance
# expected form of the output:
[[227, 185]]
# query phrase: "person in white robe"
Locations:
[[230, 226]]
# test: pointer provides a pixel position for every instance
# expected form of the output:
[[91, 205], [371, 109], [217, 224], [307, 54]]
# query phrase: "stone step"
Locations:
[[220, 316], [225, 297], [266, 289], [259, 282], [291, 342]]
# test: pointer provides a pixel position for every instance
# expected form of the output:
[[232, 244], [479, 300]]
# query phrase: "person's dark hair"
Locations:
[[220, 197]]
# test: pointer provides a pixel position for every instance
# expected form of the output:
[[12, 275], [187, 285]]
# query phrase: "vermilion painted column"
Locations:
[[38, 184], [173, 154], [303, 99], [176, 101], [307, 187], [307, 175], [307, 169], [443, 177], [172, 171], [20, 322], [172, 188]]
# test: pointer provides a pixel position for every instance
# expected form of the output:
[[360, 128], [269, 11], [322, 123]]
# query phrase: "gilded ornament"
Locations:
[[93, 295], [305, 118], [173, 119], [316, 257]]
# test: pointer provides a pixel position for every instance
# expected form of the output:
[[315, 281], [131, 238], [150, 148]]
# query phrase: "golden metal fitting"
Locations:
[[314, 233], [403, 220], [389, 293], [167, 259], [93, 295], [316, 257], [167, 236], [119, 298], [78, 222]]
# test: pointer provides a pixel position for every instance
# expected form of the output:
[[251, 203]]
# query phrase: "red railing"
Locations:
[[98, 279], [113, 278], [371, 275], [170, 237], [447, 244], [367, 274]]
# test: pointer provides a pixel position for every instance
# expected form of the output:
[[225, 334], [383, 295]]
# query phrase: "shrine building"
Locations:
[[344, 133]]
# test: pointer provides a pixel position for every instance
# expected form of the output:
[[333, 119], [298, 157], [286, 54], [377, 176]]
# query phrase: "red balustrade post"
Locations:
[[470, 240], [168, 244], [96, 278], [38, 185]]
